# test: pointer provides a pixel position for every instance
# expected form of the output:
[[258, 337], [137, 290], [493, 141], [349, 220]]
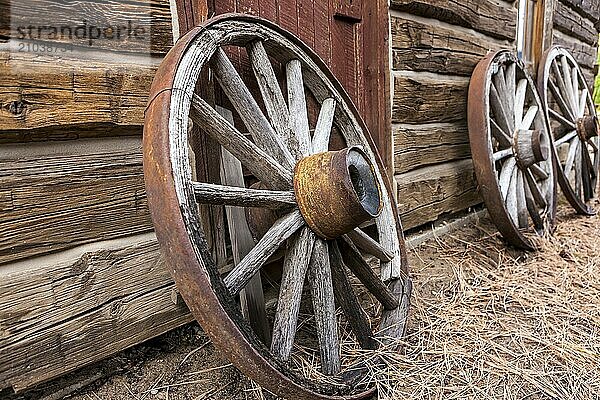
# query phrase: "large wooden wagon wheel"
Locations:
[[571, 113], [511, 146], [320, 198]]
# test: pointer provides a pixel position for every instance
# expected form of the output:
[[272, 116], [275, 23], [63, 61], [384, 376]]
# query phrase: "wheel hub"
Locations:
[[337, 191], [587, 127], [530, 147]]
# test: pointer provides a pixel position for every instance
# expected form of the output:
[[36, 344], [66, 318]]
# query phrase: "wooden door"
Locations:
[[351, 36]]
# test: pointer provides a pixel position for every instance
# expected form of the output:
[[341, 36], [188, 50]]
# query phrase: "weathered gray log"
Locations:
[[264, 249], [364, 272], [369, 245], [347, 300], [321, 285], [243, 197], [320, 142], [573, 24], [258, 161], [272, 96], [257, 124], [295, 267], [252, 297], [297, 105]]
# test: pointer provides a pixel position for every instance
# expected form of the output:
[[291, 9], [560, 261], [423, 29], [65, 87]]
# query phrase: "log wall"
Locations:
[[81, 273], [576, 24], [436, 44]]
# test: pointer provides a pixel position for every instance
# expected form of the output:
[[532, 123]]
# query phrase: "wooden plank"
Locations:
[[420, 98], [573, 24], [66, 194], [428, 46], [416, 146], [487, 16], [588, 8], [134, 26], [72, 92], [427, 193], [584, 54], [61, 312]]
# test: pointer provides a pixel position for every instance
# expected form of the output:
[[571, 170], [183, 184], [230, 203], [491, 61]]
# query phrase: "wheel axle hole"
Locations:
[[364, 182]]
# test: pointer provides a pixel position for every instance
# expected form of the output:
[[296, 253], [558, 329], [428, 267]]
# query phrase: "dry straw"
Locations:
[[489, 322]]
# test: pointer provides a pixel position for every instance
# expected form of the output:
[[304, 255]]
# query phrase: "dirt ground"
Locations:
[[487, 322]]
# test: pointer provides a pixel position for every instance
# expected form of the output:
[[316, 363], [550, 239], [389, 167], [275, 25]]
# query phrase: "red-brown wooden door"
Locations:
[[351, 36]]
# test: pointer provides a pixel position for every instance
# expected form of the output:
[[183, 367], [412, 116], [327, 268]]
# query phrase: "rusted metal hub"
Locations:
[[587, 127], [530, 147], [337, 191]]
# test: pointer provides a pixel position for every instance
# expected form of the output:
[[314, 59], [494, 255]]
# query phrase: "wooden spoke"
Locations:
[[534, 213], [259, 162], [566, 138], [208, 193], [522, 213], [566, 74], [257, 124], [272, 96], [501, 136], [562, 119], [562, 86], [588, 190], [264, 249], [520, 101], [346, 298], [578, 171], [322, 134], [529, 117], [562, 104], [252, 299], [369, 245], [575, 79], [582, 102], [363, 271], [511, 85], [539, 172], [593, 144], [500, 113], [500, 85], [588, 161], [321, 285], [511, 197], [505, 176], [535, 190], [295, 266], [297, 104], [574, 146], [499, 155]]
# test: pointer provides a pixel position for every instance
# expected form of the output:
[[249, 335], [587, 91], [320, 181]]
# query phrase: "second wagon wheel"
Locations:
[[511, 147], [572, 115], [319, 195]]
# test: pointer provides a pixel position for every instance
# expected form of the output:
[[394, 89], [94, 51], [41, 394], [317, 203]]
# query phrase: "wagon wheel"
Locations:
[[511, 148], [320, 196], [570, 110]]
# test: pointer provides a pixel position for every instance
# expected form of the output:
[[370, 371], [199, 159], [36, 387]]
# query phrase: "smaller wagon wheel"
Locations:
[[511, 147], [571, 112], [320, 191]]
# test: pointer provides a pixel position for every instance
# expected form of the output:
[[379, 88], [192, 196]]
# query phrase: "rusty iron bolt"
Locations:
[[337, 191]]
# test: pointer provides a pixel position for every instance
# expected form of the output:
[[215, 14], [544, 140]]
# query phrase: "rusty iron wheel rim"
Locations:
[[180, 233], [522, 200], [569, 128]]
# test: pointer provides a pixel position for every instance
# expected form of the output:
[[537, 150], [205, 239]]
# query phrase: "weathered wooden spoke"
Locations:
[[321, 284], [267, 169], [322, 134], [272, 96], [264, 249], [295, 267], [560, 80], [239, 95], [369, 245], [297, 104], [346, 298], [279, 194], [208, 193], [512, 148]]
